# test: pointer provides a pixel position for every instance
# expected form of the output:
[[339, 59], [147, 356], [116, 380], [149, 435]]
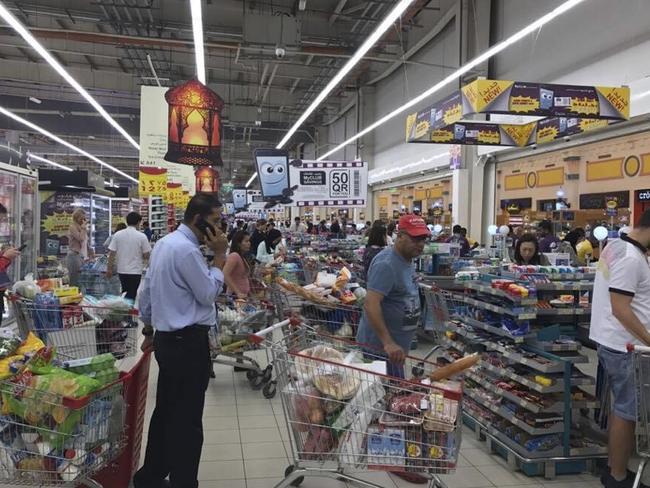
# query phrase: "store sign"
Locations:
[[518, 204], [643, 195], [328, 183], [567, 110], [152, 182], [598, 201]]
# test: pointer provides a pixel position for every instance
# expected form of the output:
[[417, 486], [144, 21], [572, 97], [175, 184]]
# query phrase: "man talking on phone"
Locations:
[[177, 306]]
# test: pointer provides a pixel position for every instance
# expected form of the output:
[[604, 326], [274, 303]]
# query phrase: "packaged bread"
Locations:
[[454, 368]]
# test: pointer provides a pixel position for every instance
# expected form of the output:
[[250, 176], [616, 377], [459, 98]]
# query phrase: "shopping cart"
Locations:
[[49, 439], [343, 411], [238, 320], [441, 305], [641, 358], [79, 331], [331, 316], [93, 280]]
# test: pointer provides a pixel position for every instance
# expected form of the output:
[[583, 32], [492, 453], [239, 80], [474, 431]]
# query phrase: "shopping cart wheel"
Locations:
[[258, 382], [269, 390], [268, 373], [251, 375], [418, 370], [290, 469]]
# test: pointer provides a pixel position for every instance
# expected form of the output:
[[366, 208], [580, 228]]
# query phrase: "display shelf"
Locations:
[[551, 276], [456, 345], [555, 347], [559, 286], [563, 311], [482, 287], [477, 324], [556, 387], [509, 416], [516, 313], [554, 367], [521, 450]]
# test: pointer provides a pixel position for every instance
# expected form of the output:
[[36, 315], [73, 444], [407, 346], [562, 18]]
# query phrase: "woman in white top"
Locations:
[[268, 247]]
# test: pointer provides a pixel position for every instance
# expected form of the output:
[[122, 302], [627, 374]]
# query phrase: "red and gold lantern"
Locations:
[[207, 180], [194, 125]]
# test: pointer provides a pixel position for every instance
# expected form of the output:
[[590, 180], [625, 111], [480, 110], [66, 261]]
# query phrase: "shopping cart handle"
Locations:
[[637, 348], [258, 337]]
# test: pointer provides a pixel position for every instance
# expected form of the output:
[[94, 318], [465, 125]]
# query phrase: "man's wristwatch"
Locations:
[[147, 331]]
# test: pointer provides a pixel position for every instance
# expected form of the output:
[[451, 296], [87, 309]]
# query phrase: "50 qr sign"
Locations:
[[329, 183]]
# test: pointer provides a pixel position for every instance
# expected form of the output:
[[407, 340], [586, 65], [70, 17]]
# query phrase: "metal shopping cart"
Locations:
[[79, 330], [343, 411], [50, 439], [641, 358]]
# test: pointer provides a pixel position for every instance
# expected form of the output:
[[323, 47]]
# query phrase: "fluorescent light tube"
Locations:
[[197, 27], [47, 161], [252, 178], [67, 144], [35, 100], [363, 49], [31, 40], [529, 29]]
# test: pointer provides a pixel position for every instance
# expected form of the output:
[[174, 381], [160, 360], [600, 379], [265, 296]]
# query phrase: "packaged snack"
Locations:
[[396, 446], [30, 344]]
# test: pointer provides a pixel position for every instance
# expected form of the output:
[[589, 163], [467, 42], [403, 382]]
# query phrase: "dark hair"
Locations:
[[270, 237], [527, 238], [261, 222], [120, 226], [391, 228], [574, 236], [297, 219], [202, 204], [644, 221], [133, 218], [377, 236], [237, 239], [224, 226], [457, 229], [3, 209], [310, 227], [145, 224], [546, 225], [463, 231]]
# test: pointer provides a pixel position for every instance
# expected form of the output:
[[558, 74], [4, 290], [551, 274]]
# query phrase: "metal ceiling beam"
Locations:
[[337, 11]]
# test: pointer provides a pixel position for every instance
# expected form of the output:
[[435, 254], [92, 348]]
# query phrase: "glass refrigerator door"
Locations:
[[28, 230], [101, 222], [8, 191]]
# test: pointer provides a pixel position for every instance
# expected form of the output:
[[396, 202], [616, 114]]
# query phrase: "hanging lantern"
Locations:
[[194, 124], [207, 180]]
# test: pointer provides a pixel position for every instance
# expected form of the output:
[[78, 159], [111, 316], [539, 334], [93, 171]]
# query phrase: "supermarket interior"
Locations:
[[324, 243]]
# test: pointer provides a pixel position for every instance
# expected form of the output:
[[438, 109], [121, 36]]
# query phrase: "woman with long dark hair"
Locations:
[[527, 251], [376, 242], [237, 271], [267, 249]]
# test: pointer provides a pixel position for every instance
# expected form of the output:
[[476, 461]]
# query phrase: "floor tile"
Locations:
[[264, 468], [463, 478], [251, 409], [224, 484], [260, 435], [377, 477], [220, 423], [573, 484], [221, 437], [222, 452], [258, 422], [265, 450], [220, 411], [221, 470], [263, 483], [501, 476], [478, 457]]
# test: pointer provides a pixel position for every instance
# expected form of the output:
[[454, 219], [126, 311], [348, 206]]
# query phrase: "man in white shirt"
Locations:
[[620, 316], [297, 227], [131, 248]]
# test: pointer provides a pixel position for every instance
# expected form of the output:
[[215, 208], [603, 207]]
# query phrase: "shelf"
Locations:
[[564, 286], [555, 367], [557, 407], [494, 330], [455, 345], [487, 289], [552, 347], [556, 387], [550, 276], [500, 310], [563, 311], [521, 450]]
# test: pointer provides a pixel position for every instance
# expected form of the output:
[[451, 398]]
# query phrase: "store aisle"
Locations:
[[246, 446]]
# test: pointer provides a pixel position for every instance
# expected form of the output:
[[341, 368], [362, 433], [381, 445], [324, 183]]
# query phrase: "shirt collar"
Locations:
[[636, 244], [187, 232]]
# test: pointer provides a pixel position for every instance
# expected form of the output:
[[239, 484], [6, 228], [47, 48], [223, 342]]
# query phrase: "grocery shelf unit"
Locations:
[[526, 396], [171, 218], [154, 211]]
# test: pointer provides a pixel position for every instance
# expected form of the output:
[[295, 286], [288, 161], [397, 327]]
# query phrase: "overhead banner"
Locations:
[[152, 181], [567, 110], [328, 183], [153, 139]]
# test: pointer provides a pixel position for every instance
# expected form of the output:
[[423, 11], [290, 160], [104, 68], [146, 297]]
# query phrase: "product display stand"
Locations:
[[527, 396], [154, 211]]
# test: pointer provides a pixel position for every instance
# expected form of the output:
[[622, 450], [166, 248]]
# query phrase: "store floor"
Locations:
[[246, 446]]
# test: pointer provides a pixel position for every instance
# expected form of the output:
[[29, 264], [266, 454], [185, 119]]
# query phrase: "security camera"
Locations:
[[280, 52]]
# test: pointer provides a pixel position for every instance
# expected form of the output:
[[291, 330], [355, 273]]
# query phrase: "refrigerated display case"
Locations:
[[18, 218], [100, 222]]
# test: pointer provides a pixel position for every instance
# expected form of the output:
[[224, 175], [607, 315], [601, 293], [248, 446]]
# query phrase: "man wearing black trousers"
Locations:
[[177, 300]]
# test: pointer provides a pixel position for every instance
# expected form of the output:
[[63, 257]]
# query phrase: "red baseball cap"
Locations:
[[413, 225]]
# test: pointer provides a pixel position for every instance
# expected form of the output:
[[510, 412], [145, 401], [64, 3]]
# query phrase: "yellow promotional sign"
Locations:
[[453, 114], [421, 129], [174, 195], [489, 137], [117, 219], [618, 98], [547, 134], [519, 133], [57, 224], [584, 106], [152, 181], [489, 91], [523, 104], [591, 124], [471, 95], [410, 122], [442, 135]]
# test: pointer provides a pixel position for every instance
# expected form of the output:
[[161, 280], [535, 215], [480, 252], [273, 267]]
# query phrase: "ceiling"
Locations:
[[112, 47]]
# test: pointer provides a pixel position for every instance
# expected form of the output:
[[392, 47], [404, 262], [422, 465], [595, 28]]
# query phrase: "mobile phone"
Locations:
[[22, 248], [203, 225], [273, 171]]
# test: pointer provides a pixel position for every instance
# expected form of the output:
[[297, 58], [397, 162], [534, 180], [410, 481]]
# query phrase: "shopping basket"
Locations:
[[50, 439], [238, 320], [348, 408], [641, 359], [79, 331]]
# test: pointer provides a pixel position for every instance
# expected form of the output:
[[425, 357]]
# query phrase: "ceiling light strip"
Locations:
[[67, 144], [31, 40], [47, 161], [252, 178], [395, 14], [529, 29], [197, 27]]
